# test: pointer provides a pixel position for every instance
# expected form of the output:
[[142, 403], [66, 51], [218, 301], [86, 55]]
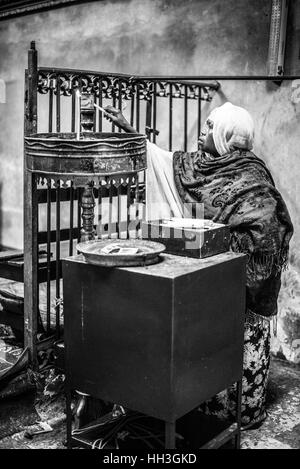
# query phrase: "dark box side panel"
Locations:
[[208, 332], [118, 336]]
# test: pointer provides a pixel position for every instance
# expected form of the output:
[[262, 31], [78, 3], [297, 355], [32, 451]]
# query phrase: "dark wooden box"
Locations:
[[159, 339], [198, 243]]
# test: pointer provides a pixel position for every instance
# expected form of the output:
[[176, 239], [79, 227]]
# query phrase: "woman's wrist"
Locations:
[[128, 128]]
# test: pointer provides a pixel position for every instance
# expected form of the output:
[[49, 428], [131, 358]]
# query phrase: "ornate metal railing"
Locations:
[[117, 88], [58, 211]]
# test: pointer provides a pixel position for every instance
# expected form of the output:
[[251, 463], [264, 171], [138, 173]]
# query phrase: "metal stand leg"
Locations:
[[170, 435], [238, 413], [69, 418]]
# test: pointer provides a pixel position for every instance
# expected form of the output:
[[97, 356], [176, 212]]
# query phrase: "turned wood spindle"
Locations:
[[87, 232]]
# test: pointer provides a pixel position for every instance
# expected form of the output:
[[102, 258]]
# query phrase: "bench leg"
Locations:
[[69, 418]]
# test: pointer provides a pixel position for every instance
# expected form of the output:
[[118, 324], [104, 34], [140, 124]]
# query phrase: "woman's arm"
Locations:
[[118, 119]]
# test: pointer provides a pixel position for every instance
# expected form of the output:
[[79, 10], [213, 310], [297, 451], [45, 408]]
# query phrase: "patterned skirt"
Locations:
[[255, 376]]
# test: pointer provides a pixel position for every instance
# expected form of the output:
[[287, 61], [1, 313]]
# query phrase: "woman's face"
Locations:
[[206, 140]]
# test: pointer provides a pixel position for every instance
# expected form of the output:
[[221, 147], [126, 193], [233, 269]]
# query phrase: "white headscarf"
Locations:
[[232, 127]]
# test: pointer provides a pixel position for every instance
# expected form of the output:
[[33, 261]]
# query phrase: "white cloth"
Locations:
[[162, 199], [232, 127]]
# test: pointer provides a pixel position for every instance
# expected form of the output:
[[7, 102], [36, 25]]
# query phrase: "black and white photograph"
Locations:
[[149, 227]]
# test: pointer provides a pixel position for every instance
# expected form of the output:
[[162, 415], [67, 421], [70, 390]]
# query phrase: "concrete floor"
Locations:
[[281, 430]]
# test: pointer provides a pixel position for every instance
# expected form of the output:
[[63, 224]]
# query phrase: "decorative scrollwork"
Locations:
[[207, 94], [46, 82], [64, 181], [113, 87], [145, 89], [162, 89], [192, 92]]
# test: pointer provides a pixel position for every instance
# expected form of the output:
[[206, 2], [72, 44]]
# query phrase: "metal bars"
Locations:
[[62, 199]]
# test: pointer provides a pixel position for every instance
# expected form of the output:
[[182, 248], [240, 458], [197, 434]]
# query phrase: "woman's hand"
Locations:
[[117, 118]]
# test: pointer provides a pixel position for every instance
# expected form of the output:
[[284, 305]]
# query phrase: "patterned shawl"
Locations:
[[237, 189]]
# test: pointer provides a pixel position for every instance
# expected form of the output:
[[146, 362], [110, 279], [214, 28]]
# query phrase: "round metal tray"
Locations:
[[116, 252], [95, 153]]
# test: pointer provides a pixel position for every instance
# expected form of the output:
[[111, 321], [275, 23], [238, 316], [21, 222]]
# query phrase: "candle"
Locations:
[[102, 110], [78, 95]]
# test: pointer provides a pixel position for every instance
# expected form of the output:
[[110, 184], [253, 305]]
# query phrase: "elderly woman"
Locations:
[[237, 189]]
